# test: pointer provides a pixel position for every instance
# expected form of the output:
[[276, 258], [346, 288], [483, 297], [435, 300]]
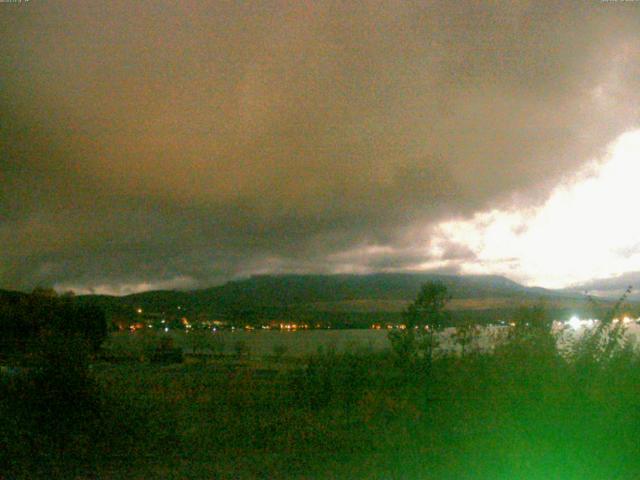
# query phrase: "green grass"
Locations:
[[522, 412]]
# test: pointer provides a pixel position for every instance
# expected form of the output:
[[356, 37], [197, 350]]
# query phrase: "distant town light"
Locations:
[[574, 322], [577, 323]]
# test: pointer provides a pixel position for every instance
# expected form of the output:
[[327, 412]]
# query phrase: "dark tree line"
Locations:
[[28, 321]]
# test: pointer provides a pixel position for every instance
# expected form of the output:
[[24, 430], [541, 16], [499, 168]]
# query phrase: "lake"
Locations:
[[305, 342]]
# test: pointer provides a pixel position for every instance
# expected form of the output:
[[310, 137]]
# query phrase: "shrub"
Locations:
[[279, 350], [241, 348], [423, 319]]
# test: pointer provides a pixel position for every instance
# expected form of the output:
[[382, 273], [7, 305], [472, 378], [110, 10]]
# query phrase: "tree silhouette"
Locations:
[[423, 318]]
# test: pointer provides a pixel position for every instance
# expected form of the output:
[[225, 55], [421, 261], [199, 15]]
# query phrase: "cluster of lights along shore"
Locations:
[[159, 321], [147, 320]]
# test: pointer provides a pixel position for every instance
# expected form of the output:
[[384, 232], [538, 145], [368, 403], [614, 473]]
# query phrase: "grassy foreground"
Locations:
[[521, 411]]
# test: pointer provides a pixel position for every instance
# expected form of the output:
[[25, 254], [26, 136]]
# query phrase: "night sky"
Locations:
[[181, 144]]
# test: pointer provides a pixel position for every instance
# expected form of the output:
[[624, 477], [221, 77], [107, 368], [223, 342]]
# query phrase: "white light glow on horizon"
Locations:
[[587, 228]]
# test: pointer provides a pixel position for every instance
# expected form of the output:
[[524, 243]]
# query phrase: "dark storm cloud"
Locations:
[[154, 141]]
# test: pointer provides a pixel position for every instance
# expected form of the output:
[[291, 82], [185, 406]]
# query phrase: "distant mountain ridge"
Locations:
[[344, 299], [611, 287], [282, 291]]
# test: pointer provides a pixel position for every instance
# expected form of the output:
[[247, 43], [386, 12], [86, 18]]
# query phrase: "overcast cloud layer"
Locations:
[[179, 144]]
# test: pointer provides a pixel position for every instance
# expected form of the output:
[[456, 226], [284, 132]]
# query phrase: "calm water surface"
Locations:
[[263, 342], [305, 342]]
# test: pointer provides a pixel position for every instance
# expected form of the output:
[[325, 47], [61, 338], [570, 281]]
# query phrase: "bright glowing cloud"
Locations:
[[586, 229]]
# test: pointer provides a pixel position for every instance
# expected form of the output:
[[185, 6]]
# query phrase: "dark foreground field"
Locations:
[[522, 411]]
